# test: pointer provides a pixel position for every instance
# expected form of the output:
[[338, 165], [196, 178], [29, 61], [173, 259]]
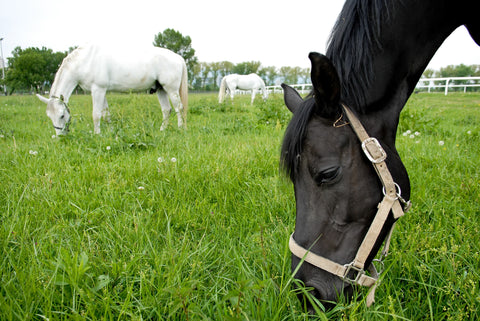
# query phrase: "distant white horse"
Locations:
[[244, 82], [98, 69]]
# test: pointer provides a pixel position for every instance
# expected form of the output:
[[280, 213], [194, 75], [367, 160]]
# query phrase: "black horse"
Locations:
[[376, 54]]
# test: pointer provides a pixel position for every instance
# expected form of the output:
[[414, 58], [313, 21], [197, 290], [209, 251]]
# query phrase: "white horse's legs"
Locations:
[[166, 109], [106, 111], [254, 91], [99, 101], [177, 104]]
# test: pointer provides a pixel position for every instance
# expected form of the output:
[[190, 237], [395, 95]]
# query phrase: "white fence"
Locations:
[[448, 83], [429, 83], [301, 88]]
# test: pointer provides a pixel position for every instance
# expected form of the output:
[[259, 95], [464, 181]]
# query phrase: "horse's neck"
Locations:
[[64, 82], [395, 59]]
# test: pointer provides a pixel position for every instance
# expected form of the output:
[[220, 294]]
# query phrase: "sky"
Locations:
[[276, 33]]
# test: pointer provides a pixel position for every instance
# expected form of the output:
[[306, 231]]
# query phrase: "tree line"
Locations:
[[33, 69]]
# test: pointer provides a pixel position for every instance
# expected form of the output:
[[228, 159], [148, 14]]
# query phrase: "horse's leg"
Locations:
[[253, 96], [232, 93], [177, 104], [106, 111], [166, 109], [98, 100]]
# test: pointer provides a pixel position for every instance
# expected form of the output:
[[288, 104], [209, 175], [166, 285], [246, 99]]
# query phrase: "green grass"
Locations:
[[109, 227]]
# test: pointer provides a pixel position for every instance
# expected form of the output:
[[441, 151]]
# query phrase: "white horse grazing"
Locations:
[[98, 69], [244, 82]]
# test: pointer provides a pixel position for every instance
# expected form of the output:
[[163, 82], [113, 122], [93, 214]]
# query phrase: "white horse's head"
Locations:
[[265, 94], [58, 112]]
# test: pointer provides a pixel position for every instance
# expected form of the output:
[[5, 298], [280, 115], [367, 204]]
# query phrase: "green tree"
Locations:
[[226, 68], [289, 75], [247, 67], [305, 75], [457, 71], [429, 73], [216, 70], [269, 75], [32, 68], [201, 74], [182, 45]]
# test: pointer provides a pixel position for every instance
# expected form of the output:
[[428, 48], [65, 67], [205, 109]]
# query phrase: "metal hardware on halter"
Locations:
[[373, 142], [350, 267], [380, 262], [406, 204]]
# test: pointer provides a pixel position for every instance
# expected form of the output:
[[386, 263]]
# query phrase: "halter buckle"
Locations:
[[373, 150], [349, 268]]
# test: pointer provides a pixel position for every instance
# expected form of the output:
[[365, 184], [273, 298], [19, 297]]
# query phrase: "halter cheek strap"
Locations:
[[66, 107], [390, 202]]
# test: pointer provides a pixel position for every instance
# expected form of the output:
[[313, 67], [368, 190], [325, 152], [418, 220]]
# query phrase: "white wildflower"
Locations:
[[417, 133], [33, 152], [173, 159], [408, 132], [441, 143], [141, 188], [108, 147], [469, 132], [160, 160], [412, 136]]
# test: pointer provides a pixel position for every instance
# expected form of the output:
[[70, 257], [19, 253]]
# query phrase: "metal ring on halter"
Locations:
[[399, 190], [406, 204], [381, 267]]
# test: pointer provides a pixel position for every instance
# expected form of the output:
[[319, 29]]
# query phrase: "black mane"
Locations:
[[354, 38]]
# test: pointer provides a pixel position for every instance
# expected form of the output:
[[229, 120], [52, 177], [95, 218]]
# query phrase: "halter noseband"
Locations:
[[392, 201]]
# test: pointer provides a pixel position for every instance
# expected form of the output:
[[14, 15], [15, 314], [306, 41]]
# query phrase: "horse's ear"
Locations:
[[292, 98], [45, 100], [326, 84]]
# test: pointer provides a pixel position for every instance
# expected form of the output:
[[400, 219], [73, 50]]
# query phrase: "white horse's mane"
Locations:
[[66, 63]]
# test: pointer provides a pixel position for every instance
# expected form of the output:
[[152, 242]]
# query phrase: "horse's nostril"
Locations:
[[320, 294], [315, 291]]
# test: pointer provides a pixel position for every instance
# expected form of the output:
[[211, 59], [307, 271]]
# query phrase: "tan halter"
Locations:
[[391, 202]]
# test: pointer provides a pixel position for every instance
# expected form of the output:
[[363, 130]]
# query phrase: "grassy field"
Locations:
[[138, 224]]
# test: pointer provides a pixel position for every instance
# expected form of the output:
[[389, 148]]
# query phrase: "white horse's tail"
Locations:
[[221, 93], [184, 93]]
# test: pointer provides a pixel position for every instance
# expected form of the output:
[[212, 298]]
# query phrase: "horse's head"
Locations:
[[58, 112], [265, 94], [337, 189]]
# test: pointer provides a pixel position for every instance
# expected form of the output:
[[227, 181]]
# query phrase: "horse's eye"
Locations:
[[328, 175], [62, 117]]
